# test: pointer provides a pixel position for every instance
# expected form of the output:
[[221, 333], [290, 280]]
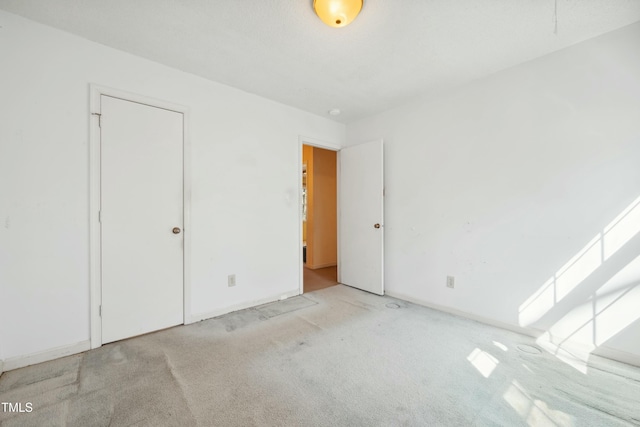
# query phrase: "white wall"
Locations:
[[245, 174], [502, 182]]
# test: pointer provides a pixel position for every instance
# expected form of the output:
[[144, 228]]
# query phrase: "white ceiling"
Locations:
[[394, 52]]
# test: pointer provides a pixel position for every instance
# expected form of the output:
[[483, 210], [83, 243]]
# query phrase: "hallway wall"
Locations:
[[321, 224]]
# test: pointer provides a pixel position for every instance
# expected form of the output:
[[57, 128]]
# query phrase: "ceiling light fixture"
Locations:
[[337, 13]]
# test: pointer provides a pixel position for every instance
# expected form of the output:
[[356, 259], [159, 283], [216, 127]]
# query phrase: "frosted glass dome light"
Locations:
[[337, 13]]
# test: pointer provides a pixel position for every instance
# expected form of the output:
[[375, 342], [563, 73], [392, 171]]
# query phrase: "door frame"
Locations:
[[95, 241], [303, 140]]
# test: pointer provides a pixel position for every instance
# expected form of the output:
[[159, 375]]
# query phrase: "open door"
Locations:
[[361, 205]]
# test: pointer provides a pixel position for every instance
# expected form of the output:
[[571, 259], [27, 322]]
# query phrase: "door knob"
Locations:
[[376, 226], [176, 230]]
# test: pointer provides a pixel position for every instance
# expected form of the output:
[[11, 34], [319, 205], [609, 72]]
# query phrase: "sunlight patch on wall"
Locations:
[[578, 268], [538, 304], [612, 308], [613, 237], [562, 283], [620, 309], [577, 324], [622, 229], [483, 362]]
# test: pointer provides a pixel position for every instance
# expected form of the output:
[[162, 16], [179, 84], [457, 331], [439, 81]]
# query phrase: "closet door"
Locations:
[[141, 216]]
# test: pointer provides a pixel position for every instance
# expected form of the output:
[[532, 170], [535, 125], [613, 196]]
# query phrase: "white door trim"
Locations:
[[303, 140], [95, 243]]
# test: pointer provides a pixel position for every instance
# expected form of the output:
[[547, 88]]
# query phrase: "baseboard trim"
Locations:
[[534, 333], [579, 350], [46, 355], [236, 307], [618, 355], [602, 351]]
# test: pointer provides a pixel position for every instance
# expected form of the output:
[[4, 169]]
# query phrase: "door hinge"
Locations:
[[99, 118], [100, 310], [100, 217]]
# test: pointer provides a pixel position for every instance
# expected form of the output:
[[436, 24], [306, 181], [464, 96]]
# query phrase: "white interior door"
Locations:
[[361, 217], [141, 149]]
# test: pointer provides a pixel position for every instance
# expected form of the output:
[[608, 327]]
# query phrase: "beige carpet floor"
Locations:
[[335, 357]]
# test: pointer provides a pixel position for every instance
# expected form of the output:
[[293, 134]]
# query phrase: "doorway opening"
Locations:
[[319, 218]]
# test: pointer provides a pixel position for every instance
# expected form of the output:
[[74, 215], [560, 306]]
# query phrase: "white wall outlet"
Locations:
[[231, 280], [451, 282]]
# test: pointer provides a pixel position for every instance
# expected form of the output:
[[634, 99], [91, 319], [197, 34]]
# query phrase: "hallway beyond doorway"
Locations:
[[320, 278]]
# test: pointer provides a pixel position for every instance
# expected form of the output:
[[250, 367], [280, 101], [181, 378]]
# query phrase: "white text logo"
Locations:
[[16, 407]]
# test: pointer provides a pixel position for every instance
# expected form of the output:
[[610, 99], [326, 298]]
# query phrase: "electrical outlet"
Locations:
[[451, 282], [231, 280]]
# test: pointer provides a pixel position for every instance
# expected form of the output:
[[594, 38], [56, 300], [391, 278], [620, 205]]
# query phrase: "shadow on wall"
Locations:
[[605, 276]]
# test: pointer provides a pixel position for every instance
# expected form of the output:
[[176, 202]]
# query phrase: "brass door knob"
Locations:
[[376, 226], [176, 230]]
